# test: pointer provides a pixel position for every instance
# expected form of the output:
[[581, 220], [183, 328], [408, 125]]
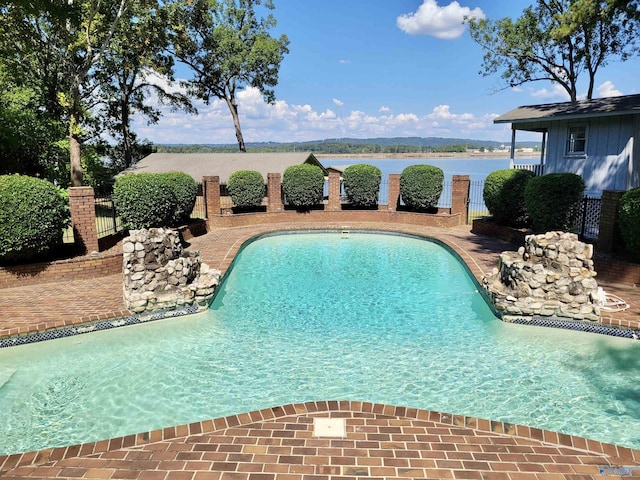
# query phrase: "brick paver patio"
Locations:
[[281, 443]]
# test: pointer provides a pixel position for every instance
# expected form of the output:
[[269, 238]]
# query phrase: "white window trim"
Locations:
[[581, 154]]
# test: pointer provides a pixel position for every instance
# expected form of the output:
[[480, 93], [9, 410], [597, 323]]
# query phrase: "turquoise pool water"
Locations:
[[378, 318]]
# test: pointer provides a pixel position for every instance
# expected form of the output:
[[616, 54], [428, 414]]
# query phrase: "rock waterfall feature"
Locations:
[[551, 276], [160, 275]]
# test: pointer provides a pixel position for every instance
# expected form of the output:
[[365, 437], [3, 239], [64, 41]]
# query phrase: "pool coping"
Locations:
[[618, 455]]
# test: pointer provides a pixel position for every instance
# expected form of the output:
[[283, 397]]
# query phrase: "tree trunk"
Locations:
[[233, 108], [126, 133], [75, 158]]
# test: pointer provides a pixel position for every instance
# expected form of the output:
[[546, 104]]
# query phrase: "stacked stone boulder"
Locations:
[[552, 275], [160, 275]]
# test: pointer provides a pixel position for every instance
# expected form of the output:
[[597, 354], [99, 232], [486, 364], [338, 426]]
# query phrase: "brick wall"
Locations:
[[83, 218], [334, 203], [340, 218], [609, 235], [60, 270], [274, 192]]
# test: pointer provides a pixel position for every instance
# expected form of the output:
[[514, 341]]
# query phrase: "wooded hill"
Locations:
[[355, 146]]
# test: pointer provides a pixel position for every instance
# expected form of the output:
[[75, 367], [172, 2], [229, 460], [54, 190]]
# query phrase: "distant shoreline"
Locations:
[[396, 156]]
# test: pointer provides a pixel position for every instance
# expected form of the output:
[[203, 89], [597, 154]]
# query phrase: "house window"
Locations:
[[577, 139]]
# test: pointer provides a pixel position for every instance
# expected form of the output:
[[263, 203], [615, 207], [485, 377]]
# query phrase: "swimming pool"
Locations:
[[380, 318]]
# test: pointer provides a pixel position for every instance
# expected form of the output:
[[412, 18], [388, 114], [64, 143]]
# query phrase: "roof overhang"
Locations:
[[539, 116]]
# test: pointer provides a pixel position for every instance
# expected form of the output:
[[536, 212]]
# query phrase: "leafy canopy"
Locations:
[[558, 40]]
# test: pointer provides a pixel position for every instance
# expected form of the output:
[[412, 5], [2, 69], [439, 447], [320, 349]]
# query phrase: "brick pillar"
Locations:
[[609, 238], [274, 192], [211, 190], [82, 204], [334, 202], [393, 201], [460, 197]]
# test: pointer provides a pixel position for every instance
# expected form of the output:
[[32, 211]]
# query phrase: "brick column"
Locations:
[[334, 202], [211, 191], [460, 197], [274, 192], [609, 238], [393, 201], [82, 204]]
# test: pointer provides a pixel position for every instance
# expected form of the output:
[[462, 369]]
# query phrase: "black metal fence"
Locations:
[[476, 207], [588, 221]]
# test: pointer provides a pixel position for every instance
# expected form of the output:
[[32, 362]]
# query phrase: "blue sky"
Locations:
[[378, 68]]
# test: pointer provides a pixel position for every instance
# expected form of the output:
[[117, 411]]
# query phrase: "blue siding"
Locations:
[[608, 162]]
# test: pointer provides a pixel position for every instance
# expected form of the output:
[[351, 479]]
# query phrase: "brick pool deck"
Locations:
[[380, 441]]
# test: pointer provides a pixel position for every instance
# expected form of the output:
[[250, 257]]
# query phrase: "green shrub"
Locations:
[[503, 195], [143, 201], [421, 186], [629, 212], [362, 184], [185, 190], [302, 185], [33, 216], [553, 201], [246, 188]]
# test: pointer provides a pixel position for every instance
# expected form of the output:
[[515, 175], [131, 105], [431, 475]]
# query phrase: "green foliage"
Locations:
[[629, 213], [503, 195], [144, 201], [553, 201], [185, 190], [362, 184], [246, 188], [557, 41], [421, 186], [228, 46], [33, 216], [302, 185]]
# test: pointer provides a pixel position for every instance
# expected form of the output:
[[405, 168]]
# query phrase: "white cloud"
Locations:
[[285, 122], [338, 102], [555, 93], [441, 22], [607, 89], [344, 62]]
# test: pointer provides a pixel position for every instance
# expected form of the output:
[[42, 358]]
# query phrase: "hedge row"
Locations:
[[548, 202], [33, 216], [146, 200]]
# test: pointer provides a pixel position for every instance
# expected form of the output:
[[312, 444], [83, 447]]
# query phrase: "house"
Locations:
[[598, 139], [222, 165]]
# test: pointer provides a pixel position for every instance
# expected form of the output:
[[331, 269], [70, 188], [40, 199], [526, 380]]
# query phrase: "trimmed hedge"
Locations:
[[246, 188], [185, 190], [146, 200], [421, 186], [553, 200], [503, 195], [33, 216], [362, 184], [629, 213], [302, 185]]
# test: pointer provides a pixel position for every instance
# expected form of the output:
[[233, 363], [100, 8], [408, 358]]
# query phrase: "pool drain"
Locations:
[[329, 427]]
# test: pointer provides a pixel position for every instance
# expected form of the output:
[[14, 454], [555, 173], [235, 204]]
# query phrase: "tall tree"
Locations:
[[559, 41], [227, 46], [73, 35], [135, 66]]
